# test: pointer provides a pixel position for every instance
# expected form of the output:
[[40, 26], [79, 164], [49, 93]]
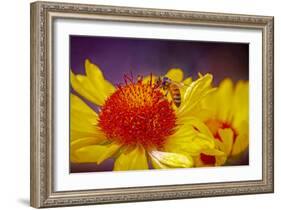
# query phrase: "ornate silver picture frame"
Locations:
[[43, 114]]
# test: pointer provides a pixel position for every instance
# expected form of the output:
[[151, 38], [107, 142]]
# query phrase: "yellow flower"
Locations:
[[136, 124], [226, 114]]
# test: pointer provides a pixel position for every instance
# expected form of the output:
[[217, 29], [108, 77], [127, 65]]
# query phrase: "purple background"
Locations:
[[119, 56], [116, 56]]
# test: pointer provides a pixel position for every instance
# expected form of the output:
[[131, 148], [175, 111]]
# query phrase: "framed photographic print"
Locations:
[[135, 104]]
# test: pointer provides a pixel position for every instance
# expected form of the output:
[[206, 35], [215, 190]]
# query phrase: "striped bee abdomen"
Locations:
[[176, 95]]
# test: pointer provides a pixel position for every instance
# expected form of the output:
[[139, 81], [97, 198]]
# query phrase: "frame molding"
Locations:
[[42, 17]]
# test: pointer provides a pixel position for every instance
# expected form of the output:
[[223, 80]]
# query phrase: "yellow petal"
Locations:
[[195, 123], [82, 142], [110, 152], [241, 103], [132, 160], [89, 154], [200, 74], [95, 153], [170, 160], [78, 105], [80, 122], [207, 107], [83, 120], [194, 93], [157, 164], [82, 86], [175, 74], [220, 157], [190, 138], [226, 136], [224, 100], [187, 81], [242, 140], [202, 113], [75, 134], [148, 79], [192, 147], [93, 86], [95, 75], [219, 103]]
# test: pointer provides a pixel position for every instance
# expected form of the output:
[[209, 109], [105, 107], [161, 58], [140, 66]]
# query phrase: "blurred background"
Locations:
[[119, 56], [116, 56]]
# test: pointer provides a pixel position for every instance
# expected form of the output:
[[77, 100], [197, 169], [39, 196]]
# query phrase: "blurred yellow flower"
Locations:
[[136, 124], [226, 114]]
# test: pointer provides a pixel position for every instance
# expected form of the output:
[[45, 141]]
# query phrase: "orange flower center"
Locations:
[[137, 114]]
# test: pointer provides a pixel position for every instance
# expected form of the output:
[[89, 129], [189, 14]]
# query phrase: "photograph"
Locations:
[[132, 104], [144, 104]]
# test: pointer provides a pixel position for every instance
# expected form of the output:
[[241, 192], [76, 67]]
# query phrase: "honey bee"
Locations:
[[171, 87]]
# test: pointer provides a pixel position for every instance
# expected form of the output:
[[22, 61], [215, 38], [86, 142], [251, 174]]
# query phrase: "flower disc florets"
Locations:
[[138, 114]]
